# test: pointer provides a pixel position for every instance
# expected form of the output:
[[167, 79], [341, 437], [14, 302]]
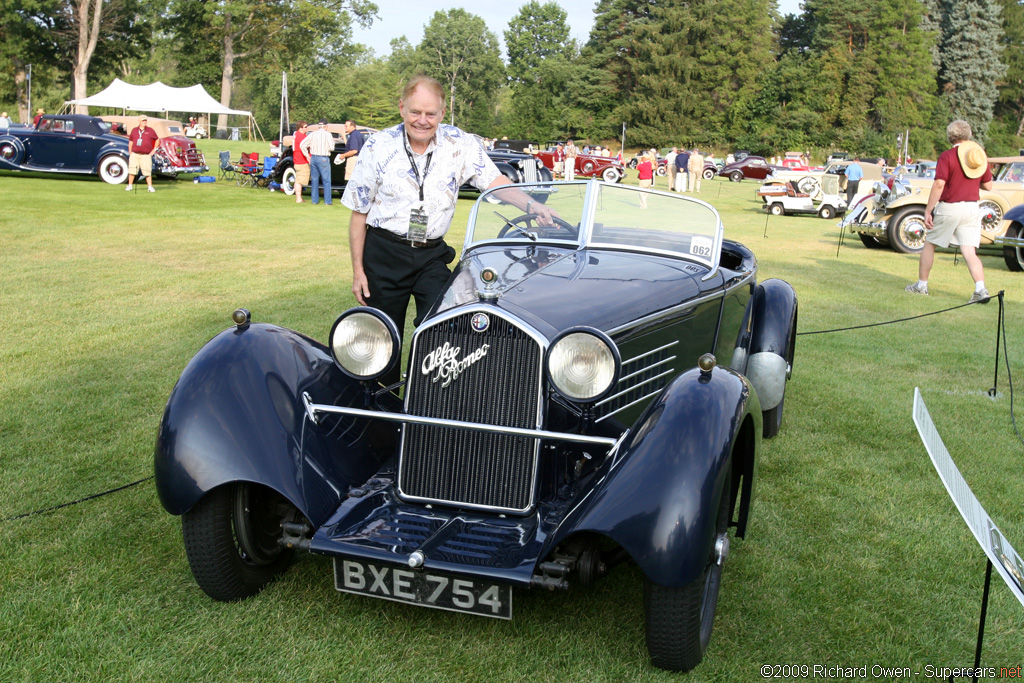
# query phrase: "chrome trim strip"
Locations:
[[644, 355], [626, 391], [313, 408], [619, 410], [646, 368], [640, 322]]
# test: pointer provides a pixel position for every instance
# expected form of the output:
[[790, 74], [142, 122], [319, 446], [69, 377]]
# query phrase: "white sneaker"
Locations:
[[152, 190], [981, 297], [917, 288], [129, 188]]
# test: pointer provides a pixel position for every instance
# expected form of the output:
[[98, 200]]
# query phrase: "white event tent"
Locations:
[[159, 97]]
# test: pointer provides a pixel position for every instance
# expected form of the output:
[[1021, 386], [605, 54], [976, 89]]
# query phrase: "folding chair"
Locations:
[[263, 179], [247, 168], [227, 168]]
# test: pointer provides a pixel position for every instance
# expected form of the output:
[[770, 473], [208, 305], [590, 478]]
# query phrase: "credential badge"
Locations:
[[480, 322]]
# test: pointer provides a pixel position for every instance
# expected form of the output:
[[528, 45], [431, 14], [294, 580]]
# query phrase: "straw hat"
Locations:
[[39, 111], [973, 159]]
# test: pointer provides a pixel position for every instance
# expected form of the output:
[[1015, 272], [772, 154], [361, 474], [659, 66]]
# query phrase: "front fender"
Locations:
[[236, 414], [659, 498], [773, 341]]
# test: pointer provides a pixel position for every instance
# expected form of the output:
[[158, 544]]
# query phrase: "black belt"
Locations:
[[387, 234]]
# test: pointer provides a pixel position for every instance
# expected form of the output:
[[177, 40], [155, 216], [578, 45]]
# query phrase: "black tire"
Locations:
[[777, 209], [678, 621], [771, 421], [870, 242], [906, 230], [709, 173], [288, 181], [113, 169], [231, 540], [736, 176], [633, 163], [826, 212], [1014, 256]]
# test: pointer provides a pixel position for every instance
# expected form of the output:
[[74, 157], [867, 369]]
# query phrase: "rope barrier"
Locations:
[[75, 502]]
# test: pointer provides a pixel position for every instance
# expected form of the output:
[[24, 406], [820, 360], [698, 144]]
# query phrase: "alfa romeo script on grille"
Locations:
[[445, 364], [424, 588]]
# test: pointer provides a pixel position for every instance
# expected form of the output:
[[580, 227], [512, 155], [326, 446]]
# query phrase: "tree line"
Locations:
[[842, 74]]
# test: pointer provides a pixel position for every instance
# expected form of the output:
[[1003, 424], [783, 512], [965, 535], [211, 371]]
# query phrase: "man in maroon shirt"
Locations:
[[142, 144], [952, 214], [300, 161]]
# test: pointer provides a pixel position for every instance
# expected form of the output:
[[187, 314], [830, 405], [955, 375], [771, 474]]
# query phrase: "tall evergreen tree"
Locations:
[[970, 54], [1011, 92]]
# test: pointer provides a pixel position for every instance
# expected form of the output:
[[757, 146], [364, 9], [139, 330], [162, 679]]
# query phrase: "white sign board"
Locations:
[[1006, 561]]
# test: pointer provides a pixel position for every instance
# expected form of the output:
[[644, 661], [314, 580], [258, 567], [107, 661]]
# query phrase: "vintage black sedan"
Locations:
[[589, 390], [71, 143]]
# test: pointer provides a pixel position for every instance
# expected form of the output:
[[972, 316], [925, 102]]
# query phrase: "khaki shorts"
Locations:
[[350, 166], [646, 183], [955, 223], [140, 163], [559, 166], [302, 174]]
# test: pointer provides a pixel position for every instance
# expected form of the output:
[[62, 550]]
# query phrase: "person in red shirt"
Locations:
[[952, 214], [645, 173], [300, 161], [142, 143]]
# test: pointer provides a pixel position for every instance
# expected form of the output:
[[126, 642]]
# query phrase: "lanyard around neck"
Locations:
[[420, 181]]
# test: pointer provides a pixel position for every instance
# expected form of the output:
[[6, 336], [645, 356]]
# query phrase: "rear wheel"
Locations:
[[826, 212], [736, 176], [906, 230], [1014, 256], [288, 181], [678, 620], [777, 210], [709, 173], [232, 540]]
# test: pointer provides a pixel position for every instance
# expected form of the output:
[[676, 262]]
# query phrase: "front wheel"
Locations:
[[678, 620], [662, 171], [736, 176], [709, 173], [610, 175], [906, 230], [870, 241], [826, 212], [113, 169], [232, 540], [288, 181], [1014, 256], [776, 209]]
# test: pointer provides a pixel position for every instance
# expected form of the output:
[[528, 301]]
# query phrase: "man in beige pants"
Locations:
[[696, 168]]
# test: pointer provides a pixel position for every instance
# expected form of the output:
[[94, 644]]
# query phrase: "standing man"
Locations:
[[670, 168], [141, 146], [403, 196], [318, 146], [952, 214], [300, 161], [558, 160], [5, 120], [570, 160], [354, 142], [682, 170], [854, 174], [696, 167], [39, 115]]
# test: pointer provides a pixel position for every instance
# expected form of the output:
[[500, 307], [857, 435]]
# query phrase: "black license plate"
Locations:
[[441, 591]]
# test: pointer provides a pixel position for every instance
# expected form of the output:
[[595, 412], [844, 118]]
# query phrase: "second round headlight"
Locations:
[[363, 344], [583, 365]]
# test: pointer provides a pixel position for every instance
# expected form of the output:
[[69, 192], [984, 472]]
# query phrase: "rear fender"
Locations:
[[773, 341], [236, 414], [659, 497]]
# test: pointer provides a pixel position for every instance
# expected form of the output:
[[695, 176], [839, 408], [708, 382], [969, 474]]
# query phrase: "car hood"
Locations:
[[554, 288]]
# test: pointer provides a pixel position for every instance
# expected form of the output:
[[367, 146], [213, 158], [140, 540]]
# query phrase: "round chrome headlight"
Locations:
[[364, 343], [583, 364]]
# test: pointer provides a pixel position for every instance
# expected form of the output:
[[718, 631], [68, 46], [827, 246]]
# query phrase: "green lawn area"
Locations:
[[855, 555]]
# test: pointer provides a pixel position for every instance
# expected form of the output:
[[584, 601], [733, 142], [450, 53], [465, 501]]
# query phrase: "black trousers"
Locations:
[[396, 272], [851, 191]]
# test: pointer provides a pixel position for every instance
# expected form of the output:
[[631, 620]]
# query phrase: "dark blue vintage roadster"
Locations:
[[588, 391]]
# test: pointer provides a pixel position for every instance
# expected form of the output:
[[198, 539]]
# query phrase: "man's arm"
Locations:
[[517, 197], [356, 241], [933, 199]]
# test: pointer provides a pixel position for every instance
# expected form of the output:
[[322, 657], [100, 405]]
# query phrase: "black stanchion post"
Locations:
[[842, 232], [767, 214], [981, 622], [999, 330]]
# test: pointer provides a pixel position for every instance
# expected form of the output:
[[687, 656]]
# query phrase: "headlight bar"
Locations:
[[314, 409]]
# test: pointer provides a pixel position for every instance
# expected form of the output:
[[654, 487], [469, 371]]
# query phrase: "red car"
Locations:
[[608, 169], [180, 153]]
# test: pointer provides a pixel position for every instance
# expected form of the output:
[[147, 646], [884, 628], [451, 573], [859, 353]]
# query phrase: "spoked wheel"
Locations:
[[232, 540], [906, 230], [678, 620]]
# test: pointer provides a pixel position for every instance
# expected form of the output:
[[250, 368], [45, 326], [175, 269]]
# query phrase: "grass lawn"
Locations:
[[855, 556]]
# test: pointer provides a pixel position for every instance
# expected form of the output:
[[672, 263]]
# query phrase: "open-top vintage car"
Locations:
[[587, 391], [608, 169], [74, 144]]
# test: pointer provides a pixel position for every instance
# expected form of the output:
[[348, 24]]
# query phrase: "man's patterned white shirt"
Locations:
[[384, 185]]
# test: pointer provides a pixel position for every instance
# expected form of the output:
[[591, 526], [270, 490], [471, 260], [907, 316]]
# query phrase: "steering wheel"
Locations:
[[528, 222]]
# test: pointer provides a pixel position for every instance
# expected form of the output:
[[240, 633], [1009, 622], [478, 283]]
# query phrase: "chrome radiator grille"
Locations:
[[530, 174], [500, 387]]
